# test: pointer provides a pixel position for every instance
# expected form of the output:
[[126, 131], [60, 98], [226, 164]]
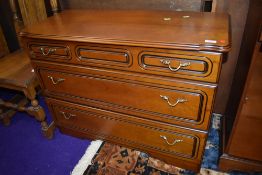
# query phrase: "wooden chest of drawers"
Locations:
[[142, 79]]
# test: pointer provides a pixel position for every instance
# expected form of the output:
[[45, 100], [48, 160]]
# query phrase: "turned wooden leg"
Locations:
[[6, 121], [37, 111]]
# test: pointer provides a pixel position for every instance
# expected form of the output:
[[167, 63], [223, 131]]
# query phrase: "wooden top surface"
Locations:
[[16, 70], [188, 30]]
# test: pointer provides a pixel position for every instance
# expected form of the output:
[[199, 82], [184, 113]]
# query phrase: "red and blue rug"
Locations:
[[103, 158]]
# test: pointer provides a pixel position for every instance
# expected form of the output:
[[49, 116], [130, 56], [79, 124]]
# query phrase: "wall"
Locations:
[[185, 5]]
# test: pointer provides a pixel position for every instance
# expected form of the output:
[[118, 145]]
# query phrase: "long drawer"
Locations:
[[192, 65], [170, 104], [128, 130]]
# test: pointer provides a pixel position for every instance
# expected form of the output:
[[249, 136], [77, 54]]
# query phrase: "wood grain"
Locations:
[[109, 70], [3, 44], [113, 126], [139, 28], [32, 11], [242, 136]]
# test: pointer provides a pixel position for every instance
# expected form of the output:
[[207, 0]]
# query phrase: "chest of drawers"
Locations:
[[142, 79]]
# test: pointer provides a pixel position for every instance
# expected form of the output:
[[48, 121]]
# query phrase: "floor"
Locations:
[[24, 151]]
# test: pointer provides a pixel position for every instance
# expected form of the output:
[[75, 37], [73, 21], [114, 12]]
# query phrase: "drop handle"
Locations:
[[167, 142], [168, 62], [49, 51], [67, 116], [56, 81], [179, 100]]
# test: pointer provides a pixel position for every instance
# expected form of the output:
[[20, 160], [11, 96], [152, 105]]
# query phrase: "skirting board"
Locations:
[[228, 163]]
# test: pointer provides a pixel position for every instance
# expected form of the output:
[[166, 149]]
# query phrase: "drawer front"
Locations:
[[189, 65], [116, 127], [104, 56], [164, 104], [49, 51]]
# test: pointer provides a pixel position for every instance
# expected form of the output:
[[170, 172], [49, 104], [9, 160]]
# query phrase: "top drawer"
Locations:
[[49, 50], [183, 64]]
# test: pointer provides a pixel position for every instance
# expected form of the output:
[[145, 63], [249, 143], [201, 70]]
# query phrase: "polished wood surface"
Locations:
[[143, 98], [16, 74], [242, 128], [245, 142], [135, 72], [250, 114], [116, 127], [202, 66], [204, 31]]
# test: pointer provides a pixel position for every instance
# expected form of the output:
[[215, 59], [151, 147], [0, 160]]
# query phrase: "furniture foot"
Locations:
[[6, 121], [37, 111], [49, 131]]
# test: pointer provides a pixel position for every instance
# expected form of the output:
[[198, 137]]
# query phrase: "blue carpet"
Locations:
[[24, 151]]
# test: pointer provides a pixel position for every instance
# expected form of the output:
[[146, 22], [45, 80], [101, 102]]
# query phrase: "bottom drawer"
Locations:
[[149, 136]]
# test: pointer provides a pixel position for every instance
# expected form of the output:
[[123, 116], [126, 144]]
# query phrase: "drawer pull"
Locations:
[[49, 52], [179, 100], [67, 116], [168, 62], [57, 80], [171, 144]]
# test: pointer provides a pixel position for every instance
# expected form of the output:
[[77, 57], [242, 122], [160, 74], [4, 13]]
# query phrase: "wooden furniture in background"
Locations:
[[20, 77], [237, 10], [3, 45], [243, 120], [143, 79], [16, 72]]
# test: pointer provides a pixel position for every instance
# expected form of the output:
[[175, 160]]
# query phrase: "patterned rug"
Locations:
[[109, 159]]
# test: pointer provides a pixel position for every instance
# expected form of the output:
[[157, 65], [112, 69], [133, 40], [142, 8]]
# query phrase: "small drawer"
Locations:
[[188, 65], [170, 104], [48, 50], [114, 126], [103, 56]]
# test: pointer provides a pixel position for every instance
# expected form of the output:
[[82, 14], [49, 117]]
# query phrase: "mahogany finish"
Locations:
[[243, 151], [243, 122], [152, 73]]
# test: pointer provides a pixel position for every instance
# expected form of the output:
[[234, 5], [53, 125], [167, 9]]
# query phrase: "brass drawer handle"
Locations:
[[57, 80], [171, 144], [168, 62], [67, 116], [179, 100], [49, 52]]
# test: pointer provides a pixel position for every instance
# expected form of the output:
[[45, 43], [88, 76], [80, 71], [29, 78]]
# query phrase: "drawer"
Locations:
[[103, 55], [189, 65], [170, 104], [116, 127], [49, 50]]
